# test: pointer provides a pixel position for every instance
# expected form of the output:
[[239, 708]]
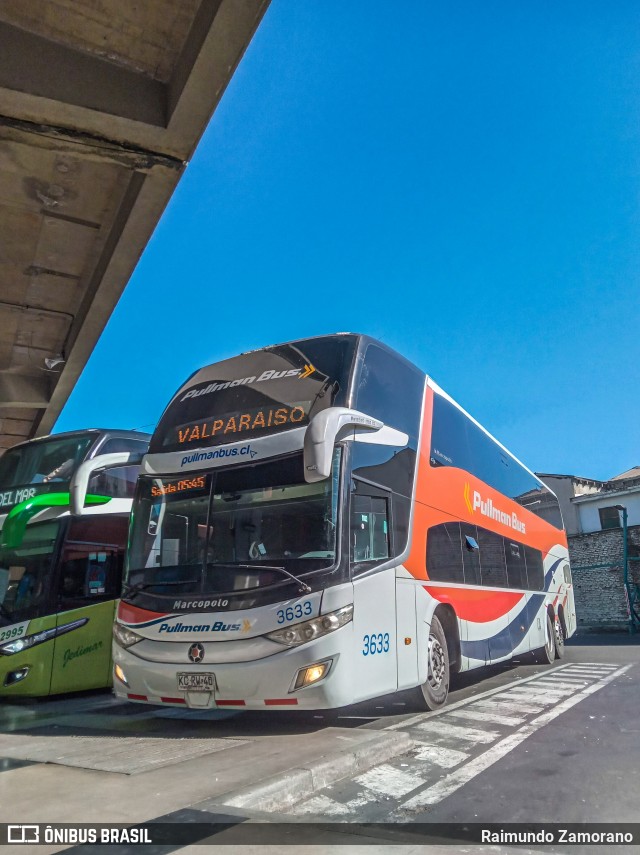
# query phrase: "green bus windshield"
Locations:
[[43, 462], [25, 573]]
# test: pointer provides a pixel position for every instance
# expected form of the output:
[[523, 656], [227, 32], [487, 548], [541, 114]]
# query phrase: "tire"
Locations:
[[546, 655], [434, 691], [559, 637]]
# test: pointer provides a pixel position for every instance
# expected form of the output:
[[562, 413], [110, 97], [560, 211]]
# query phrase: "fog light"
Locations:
[[307, 676], [117, 670], [15, 676]]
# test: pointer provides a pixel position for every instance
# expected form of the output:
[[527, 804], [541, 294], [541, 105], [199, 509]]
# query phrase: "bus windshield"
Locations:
[[232, 530], [25, 572], [43, 462]]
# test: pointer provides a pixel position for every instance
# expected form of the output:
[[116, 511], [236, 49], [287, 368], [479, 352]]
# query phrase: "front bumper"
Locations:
[[266, 683]]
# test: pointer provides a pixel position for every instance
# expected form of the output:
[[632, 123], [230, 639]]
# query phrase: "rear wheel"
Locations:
[[559, 637], [545, 655], [435, 689]]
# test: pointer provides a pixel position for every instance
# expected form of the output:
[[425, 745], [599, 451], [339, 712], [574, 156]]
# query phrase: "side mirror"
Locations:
[[80, 482], [324, 430]]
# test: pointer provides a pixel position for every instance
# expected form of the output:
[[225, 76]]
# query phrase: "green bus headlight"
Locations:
[[26, 642]]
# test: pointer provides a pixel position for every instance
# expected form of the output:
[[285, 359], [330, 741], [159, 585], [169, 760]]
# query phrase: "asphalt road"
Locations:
[[579, 760]]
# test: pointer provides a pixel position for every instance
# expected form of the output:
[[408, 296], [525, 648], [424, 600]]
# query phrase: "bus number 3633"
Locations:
[[293, 612], [375, 643]]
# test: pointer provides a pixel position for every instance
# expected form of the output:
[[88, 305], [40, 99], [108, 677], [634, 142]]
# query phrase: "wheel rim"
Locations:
[[559, 634], [437, 663], [549, 637]]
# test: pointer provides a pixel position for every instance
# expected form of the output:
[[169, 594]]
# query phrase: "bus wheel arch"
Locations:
[[560, 626], [546, 654], [443, 649], [450, 626]]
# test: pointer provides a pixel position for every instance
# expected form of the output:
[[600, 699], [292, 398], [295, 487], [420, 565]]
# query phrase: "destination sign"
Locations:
[[182, 486], [249, 422]]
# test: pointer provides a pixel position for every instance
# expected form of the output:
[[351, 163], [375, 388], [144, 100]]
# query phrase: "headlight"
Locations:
[[300, 633], [28, 641], [124, 636]]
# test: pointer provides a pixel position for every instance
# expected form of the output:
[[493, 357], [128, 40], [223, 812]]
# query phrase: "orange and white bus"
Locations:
[[318, 523]]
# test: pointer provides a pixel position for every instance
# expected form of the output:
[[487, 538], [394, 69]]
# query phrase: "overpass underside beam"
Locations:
[[101, 106]]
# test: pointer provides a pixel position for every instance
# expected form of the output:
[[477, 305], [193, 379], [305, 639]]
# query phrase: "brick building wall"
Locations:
[[599, 593]]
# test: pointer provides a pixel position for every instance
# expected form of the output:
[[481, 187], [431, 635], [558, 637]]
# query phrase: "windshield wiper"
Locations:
[[304, 588], [132, 590]]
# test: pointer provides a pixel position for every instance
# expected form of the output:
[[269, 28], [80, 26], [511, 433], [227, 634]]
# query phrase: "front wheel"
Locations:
[[435, 689], [545, 655]]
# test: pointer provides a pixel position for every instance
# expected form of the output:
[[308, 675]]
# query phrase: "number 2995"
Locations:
[[377, 642]]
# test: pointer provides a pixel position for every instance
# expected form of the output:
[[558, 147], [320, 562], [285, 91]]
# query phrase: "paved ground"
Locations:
[[518, 743]]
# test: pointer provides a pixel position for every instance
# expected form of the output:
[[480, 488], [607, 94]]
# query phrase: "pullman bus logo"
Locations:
[[307, 371], [467, 500], [270, 374], [488, 509]]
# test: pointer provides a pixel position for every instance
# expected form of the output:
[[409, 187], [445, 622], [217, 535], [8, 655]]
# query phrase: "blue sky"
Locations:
[[458, 179]]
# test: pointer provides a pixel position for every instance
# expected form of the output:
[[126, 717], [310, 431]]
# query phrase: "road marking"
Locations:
[[559, 686], [436, 767], [514, 706], [523, 697], [443, 730], [556, 692], [588, 672], [323, 806], [495, 717], [536, 696], [389, 781], [454, 780], [408, 722], [441, 756]]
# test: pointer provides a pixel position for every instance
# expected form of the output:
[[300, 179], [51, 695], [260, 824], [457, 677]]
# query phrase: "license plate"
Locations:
[[196, 682]]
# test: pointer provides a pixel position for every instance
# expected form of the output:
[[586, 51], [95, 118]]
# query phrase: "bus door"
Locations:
[[89, 582], [374, 594], [407, 641]]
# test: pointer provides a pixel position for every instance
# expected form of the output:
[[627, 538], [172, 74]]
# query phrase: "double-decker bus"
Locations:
[[65, 502], [318, 523]]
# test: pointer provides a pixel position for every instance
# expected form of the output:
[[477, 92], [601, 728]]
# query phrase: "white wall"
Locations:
[[590, 518]]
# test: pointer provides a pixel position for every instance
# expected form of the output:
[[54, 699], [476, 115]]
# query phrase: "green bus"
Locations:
[[65, 502]]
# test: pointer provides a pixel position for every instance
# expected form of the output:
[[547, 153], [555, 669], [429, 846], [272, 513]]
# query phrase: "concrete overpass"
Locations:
[[102, 103]]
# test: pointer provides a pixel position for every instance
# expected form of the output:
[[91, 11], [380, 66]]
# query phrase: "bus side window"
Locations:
[[369, 529], [516, 566], [90, 573], [444, 553], [470, 554], [535, 568], [493, 566]]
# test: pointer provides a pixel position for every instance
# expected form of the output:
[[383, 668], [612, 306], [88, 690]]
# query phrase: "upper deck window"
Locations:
[[458, 441], [123, 444], [391, 389], [257, 394], [44, 461]]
